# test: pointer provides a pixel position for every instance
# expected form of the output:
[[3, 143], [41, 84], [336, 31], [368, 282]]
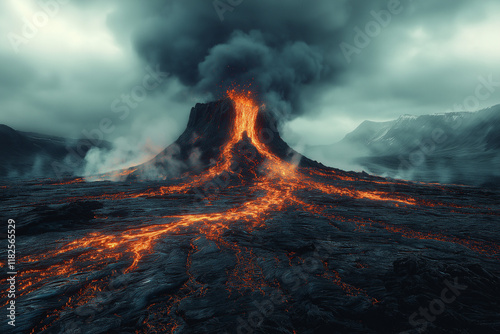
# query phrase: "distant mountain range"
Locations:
[[457, 147], [28, 155]]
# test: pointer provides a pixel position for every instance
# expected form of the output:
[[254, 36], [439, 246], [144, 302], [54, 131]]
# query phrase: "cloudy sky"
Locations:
[[67, 65]]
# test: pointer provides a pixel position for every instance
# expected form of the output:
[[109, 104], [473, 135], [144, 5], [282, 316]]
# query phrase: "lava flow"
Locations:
[[266, 184]]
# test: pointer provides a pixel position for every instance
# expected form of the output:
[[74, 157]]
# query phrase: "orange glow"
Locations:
[[77, 180], [276, 184]]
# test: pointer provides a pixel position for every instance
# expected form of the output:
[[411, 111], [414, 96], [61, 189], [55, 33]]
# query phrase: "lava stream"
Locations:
[[277, 183]]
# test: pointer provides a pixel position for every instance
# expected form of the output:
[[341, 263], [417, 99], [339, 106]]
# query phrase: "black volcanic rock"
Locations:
[[310, 264], [71, 216], [308, 252], [418, 283], [208, 129]]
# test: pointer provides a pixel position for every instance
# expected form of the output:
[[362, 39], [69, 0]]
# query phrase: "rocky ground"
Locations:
[[359, 266], [254, 238]]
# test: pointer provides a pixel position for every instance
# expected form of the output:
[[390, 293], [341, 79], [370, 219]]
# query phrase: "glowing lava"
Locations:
[[275, 188]]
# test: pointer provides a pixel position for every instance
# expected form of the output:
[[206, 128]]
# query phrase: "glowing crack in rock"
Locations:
[[275, 188]]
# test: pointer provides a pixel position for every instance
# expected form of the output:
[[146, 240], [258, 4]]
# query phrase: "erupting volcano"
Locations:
[[230, 230]]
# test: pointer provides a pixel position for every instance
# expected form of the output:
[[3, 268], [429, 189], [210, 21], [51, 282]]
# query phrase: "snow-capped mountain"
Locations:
[[457, 147]]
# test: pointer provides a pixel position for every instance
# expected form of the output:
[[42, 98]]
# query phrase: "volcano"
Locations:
[[225, 133], [228, 230]]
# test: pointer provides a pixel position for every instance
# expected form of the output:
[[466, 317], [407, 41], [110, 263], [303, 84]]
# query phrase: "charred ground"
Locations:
[[252, 238]]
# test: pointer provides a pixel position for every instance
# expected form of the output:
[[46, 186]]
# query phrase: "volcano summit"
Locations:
[[218, 135], [244, 235]]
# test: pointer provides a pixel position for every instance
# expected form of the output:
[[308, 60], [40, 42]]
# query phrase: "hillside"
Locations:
[[458, 147]]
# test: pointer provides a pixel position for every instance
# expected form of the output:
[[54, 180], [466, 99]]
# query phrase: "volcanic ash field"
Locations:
[[252, 238]]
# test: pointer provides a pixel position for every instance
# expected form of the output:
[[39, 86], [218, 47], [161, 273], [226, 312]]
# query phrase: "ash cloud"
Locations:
[[276, 48], [289, 51], [63, 81]]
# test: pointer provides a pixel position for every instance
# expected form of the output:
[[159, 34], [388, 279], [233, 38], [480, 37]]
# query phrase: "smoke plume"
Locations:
[[277, 48]]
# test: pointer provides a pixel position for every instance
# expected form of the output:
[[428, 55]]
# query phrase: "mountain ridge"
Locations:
[[456, 147], [29, 154]]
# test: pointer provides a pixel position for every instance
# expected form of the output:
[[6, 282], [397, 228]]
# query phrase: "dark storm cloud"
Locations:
[[64, 75], [65, 78], [276, 47], [281, 47]]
